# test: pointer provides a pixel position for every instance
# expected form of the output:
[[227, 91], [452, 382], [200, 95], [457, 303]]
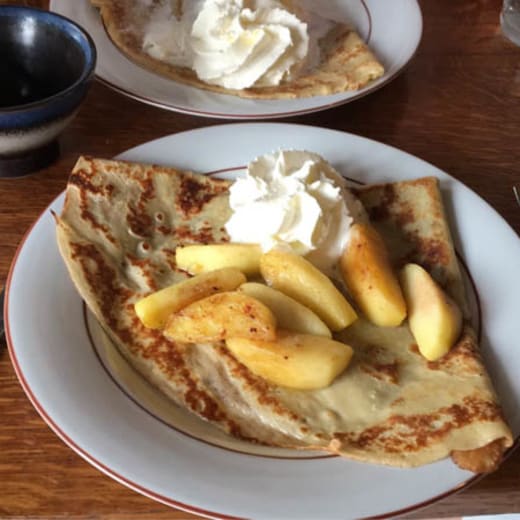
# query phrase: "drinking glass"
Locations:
[[510, 20]]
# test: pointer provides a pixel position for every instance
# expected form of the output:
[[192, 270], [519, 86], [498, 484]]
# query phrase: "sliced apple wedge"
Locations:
[[370, 279], [294, 360], [223, 315], [289, 313], [434, 318], [298, 278], [153, 310], [203, 258]]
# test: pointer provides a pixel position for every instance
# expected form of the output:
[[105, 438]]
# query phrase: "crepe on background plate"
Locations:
[[117, 233], [347, 63]]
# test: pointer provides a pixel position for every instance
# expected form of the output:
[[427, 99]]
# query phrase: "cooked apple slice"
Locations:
[[289, 313], [221, 316], [153, 310], [434, 319], [298, 278], [202, 258], [370, 279], [294, 360]]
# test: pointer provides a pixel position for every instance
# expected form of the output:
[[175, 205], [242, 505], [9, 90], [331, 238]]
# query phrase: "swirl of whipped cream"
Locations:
[[167, 36], [236, 46], [296, 201]]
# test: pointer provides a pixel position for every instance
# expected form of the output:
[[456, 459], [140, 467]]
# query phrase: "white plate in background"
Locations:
[[392, 29]]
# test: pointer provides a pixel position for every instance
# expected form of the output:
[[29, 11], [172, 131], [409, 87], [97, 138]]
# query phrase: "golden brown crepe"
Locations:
[[347, 63], [117, 234]]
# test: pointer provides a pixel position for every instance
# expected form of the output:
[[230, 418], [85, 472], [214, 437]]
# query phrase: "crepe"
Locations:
[[347, 63], [117, 234]]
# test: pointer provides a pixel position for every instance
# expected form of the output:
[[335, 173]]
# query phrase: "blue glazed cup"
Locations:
[[47, 63]]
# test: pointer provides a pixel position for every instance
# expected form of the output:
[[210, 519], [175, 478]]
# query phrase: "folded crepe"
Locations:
[[117, 233], [346, 61]]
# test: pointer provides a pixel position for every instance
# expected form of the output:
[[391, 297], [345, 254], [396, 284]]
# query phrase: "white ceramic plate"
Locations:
[[392, 29], [67, 381]]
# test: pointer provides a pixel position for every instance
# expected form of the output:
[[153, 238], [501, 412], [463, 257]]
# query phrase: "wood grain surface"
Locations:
[[457, 106]]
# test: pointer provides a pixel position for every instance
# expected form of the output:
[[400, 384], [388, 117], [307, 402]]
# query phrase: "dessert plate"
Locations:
[[391, 29], [90, 400]]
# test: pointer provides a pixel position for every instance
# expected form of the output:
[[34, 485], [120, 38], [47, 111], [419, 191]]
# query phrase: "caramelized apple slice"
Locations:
[[434, 319], [221, 316], [299, 279], [154, 309], [369, 277], [289, 313], [293, 360], [202, 258]]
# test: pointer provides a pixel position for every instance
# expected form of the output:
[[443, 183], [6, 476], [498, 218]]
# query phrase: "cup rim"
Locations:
[[86, 74]]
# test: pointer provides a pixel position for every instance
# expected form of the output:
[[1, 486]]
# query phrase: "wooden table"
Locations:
[[457, 106]]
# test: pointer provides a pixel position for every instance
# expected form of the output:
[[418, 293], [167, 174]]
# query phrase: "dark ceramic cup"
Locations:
[[47, 63]]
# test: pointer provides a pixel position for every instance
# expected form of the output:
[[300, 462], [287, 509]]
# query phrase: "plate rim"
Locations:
[[376, 85], [135, 486]]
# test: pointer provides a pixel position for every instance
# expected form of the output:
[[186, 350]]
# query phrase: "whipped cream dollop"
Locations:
[[237, 43], [295, 201], [167, 35]]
